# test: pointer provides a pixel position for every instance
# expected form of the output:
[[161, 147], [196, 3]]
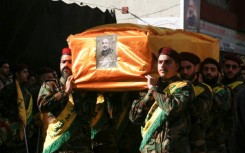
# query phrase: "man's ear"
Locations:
[[197, 68]]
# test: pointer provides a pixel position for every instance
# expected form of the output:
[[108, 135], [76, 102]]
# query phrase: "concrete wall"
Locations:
[[164, 13]]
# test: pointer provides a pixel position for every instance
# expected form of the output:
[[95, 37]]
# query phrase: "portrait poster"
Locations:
[[191, 15], [106, 51]]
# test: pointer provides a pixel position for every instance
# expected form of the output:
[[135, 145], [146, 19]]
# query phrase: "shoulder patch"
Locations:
[[198, 90], [175, 85]]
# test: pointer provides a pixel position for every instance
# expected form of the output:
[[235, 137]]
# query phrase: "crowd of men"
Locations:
[[193, 107]]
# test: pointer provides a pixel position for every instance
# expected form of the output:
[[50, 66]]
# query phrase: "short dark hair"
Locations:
[[3, 61], [19, 67]]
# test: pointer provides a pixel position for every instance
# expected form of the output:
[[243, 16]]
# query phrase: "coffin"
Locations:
[[116, 57]]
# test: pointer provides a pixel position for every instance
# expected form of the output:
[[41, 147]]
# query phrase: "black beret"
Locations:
[[232, 57], [186, 56], [171, 53], [210, 60]]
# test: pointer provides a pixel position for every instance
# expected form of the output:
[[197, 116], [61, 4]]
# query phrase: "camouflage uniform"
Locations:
[[216, 134], [84, 106], [111, 130], [199, 113], [104, 132], [127, 131], [9, 114], [238, 135], [235, 88], [172, 135]]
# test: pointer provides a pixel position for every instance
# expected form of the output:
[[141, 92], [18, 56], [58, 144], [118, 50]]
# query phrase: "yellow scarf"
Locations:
[[60, 131], [24, 115], [156, 116]]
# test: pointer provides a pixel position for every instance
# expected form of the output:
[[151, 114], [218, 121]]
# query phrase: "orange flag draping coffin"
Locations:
[[116, 57]]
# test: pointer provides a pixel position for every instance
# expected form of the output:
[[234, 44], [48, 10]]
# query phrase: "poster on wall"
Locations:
[[106, 51], [191, 15]]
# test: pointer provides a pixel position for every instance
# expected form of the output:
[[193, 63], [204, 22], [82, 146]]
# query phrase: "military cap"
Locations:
[[232, 57], [170, 52], [66, 51], [187, 56], [210, 60]]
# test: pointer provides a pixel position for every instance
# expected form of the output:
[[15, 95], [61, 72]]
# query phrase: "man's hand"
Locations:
[[151, 81], [69, 84], [200, 79]]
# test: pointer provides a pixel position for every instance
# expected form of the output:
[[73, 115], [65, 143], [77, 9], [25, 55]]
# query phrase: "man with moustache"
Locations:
[[68, 111], [191, 13], [201, 105], [216, 134], [162, 110], [107, 58]]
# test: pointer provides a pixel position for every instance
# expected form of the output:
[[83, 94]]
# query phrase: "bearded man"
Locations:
[[217, 134], [201, 105], [69, 111]]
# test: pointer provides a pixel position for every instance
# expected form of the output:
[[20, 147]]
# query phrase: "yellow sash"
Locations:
[[58, 132], [99, 109], [24, 115], [156, 116]]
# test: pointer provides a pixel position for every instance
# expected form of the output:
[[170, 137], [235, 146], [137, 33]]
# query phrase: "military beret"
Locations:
[[232, 57], [66, 51], [210, 60], [186, 56], [170, 52]]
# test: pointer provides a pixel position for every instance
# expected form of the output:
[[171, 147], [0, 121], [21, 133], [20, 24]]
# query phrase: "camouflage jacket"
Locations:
[[172, 135], [237, 138], [216, 131], [199, 113], [84, 103], [235, 88]]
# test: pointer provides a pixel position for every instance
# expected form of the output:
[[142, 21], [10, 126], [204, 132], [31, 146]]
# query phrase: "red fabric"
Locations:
[[171, 53], [66, 51]]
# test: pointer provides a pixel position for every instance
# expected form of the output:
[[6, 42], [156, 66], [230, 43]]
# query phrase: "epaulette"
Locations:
[[219, 88], [235, 84], [174, 86], [201, 88]]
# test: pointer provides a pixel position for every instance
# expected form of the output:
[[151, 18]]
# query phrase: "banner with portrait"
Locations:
[[192, 15]]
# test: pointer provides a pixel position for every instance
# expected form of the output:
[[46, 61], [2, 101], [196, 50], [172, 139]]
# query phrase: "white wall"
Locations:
[[155, 12]]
